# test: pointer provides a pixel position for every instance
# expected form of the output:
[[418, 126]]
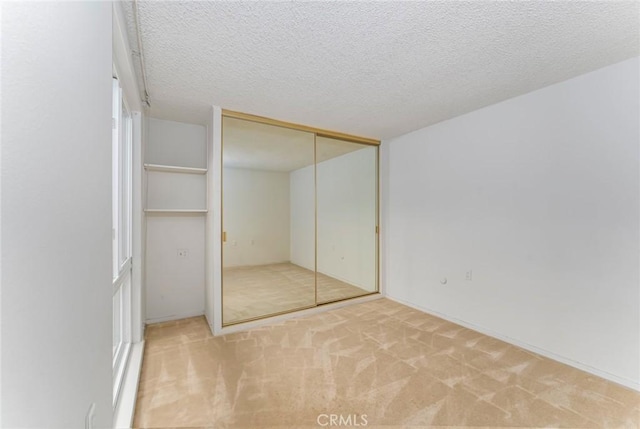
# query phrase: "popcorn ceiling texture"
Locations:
[[376, 69]]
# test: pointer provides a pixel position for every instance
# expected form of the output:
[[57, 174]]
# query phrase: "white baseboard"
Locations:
[[546, 353], [174, 317], [124, 412], [209, 322]]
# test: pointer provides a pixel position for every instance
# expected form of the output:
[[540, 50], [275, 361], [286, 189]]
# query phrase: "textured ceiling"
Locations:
[[375, 69]]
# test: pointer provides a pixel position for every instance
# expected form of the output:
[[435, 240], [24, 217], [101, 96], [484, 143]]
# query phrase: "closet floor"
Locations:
[[380, 361]]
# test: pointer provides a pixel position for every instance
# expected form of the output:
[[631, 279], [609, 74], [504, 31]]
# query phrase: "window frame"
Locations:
[[122, 234]]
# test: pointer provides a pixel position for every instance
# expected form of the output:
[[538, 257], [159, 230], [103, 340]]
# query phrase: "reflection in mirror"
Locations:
[[268, 220], [346, 192]]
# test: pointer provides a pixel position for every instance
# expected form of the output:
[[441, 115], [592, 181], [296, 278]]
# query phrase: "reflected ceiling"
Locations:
[[256, 146]]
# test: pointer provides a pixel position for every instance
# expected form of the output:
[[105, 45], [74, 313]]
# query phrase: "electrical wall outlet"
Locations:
[[183, 253], [468, 275]]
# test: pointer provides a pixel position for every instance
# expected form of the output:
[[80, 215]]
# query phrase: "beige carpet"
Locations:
[[398, 367], [256, 291]]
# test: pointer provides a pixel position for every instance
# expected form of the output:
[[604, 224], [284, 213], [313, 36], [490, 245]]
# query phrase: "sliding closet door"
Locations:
[[347, 207], [268, 220]]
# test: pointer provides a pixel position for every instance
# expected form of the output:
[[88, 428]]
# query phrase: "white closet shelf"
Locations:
[[174, 169], [175, 210]]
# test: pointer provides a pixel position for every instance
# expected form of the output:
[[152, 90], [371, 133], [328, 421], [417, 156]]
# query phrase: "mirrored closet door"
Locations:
[[299, 219], [268, 220], [346, 197]]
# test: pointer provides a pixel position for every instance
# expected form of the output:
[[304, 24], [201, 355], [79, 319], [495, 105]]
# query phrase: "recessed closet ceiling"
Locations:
[[375, 69]]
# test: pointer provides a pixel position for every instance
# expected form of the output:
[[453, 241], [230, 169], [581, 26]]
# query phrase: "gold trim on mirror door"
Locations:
[[224, 238], [315, 218], [318, 131], [378, 219]]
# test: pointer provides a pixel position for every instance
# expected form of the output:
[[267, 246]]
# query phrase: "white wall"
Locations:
[[346, 198], [255, 217], [177, 143], [213, 260], [303, 218], [176, 191], [209, 272], [175, 285], [56, 214], [539, 197], [1, 215]]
